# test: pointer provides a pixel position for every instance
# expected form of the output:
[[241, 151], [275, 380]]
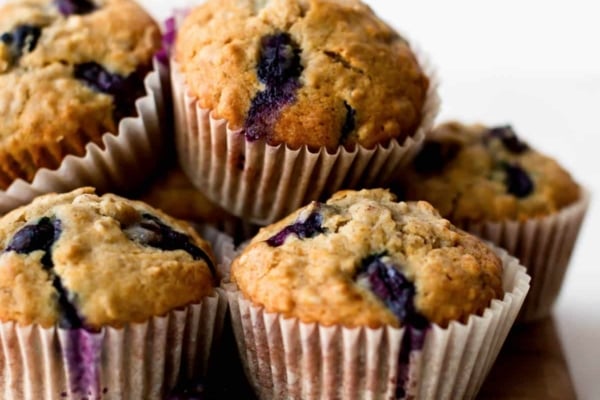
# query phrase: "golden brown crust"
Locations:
[[112, 279], [314, 279], [347, 54], [472, 185]]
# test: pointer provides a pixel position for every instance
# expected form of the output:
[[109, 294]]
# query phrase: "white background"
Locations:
[[536, 65]]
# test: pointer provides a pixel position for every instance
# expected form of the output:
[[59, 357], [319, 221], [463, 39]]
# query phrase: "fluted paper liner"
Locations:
[[288, 359], [139, 361], [121, 163], [263, 183], [544, 247]]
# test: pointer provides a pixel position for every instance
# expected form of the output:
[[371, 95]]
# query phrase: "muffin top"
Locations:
[[68, 68], [473, 173], [363, 259], [81, 260], [320, 73]]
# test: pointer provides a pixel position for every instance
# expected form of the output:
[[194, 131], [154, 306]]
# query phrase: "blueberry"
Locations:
[[398, 293], [78, 7], [23, 39], [518, 181], [392, 287], [42, 236], [278, 68], [434, 156], [123, 89], [33, 237], [509, 139], [310, 227], [151, 231], [349, 122], [279, 60]]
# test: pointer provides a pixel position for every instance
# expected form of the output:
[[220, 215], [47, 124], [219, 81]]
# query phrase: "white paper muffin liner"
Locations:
[[276, 180], [139, 361], [543, 246], [285, 358], [120, 164]]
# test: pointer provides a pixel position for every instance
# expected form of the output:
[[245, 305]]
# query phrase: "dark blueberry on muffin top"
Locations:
[[306, 228], [78, 7]]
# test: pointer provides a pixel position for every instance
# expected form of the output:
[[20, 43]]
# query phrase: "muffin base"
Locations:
[[544, 246], [138, 361], [263, 183], [286, 358], [136, 149]]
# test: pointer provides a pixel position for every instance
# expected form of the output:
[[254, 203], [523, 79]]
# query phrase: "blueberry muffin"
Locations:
[[316, 73], [77, 260], [490, 182], [474, 173], [69, 71], [362, 259]]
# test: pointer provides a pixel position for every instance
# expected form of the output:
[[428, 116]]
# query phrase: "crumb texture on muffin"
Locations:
[[473, 173], [69, 71], [81, 260], [363, 259], [320, 73]]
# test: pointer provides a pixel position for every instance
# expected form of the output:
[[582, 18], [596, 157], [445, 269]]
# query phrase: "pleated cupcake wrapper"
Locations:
[[121, 163], [276, 180], [288, 359], [223, 247], [543, 246], [140, 361]]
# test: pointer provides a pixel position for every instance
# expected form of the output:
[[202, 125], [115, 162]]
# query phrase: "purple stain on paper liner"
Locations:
[[82, 354], [397, 292], [306, 228], [168, 40], [278, 68]]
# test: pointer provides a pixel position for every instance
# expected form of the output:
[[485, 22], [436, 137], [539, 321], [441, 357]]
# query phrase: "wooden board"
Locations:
[[531, 366]]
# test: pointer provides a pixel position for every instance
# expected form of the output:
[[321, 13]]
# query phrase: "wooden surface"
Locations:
[[531, 366]]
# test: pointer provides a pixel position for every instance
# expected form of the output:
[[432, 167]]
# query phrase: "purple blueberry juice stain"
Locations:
[[168, 40], [81, 353], [279, 69], [398, 293], [518, 181], [305, 228], [434, 156], [151, 231], [124, 90], [74, 7], [509, 139]]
